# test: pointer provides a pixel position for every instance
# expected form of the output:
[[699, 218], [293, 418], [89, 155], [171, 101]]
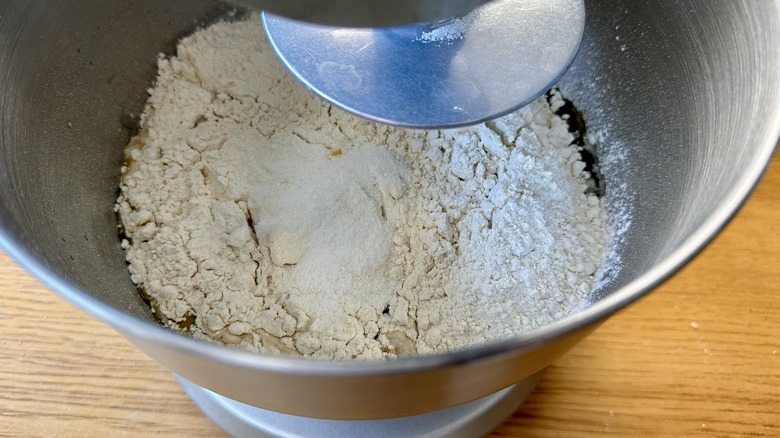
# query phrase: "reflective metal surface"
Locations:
[[363, 13], [460, 72], [469, 420], [686, 95]]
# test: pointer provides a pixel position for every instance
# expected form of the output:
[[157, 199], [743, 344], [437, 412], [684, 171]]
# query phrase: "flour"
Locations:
[[259, 217], [448, 31]]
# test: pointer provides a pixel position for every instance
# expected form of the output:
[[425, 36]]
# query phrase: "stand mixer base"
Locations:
[[475, 418]]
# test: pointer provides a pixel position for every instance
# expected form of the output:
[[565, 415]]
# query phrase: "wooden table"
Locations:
[[701, 355]]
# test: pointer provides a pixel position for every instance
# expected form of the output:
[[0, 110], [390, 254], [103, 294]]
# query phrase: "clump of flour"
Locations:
[[260, 217], [448, 31]]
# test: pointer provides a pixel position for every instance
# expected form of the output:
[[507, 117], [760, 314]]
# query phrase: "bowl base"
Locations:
[[475, 418]]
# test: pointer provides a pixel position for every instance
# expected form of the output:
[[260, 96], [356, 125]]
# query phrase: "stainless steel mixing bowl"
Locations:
[[685, 95]]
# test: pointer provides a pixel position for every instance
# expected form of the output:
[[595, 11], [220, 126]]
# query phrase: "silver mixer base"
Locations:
[[472, 419]]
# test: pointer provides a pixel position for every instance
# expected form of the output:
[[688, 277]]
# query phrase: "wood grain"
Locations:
[[699, 356]]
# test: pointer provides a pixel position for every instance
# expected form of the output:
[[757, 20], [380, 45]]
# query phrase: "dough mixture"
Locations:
[[259, 217]]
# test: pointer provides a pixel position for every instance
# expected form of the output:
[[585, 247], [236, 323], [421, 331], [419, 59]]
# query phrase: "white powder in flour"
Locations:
[[262, 218]]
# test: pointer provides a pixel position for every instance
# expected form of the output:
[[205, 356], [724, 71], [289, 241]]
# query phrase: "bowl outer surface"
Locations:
[[685, 95]]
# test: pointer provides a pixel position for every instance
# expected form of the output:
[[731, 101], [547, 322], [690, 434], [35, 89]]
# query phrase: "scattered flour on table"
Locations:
[[257, 216]]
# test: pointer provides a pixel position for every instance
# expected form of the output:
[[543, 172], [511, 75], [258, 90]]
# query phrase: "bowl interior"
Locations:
[[682, 94]]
